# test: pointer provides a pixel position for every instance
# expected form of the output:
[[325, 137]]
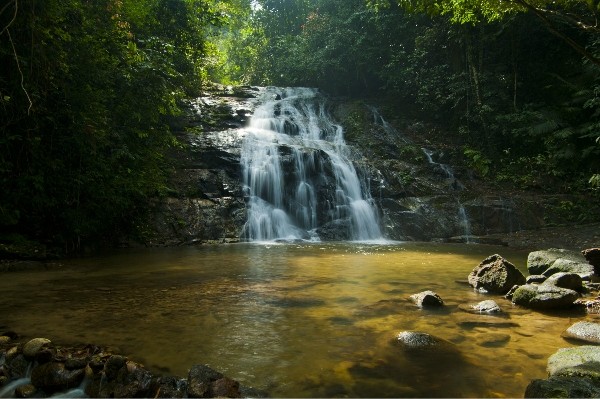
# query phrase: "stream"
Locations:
[[295, 320]]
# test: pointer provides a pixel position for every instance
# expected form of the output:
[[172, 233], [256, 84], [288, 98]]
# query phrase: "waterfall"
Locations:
[[298, 173]]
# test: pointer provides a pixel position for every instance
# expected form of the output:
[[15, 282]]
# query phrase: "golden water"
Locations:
[[296, 320]]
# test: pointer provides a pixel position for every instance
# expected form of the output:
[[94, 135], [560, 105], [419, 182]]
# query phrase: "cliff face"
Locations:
[[419, 194]]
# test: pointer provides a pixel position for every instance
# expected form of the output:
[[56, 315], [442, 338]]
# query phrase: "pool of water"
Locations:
[[296, 320]]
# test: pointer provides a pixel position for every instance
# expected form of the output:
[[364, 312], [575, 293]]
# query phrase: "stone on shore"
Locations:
[[427, 299], [584, 331], [544, 297], [495, 275]]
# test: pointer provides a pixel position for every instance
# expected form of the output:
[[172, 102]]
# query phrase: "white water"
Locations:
[[298, 172]]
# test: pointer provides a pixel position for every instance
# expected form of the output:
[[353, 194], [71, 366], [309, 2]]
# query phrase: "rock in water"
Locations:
[[488, 306], [584, 331], [554, 260], [427, 299], [580, 361], [592, 255], [416, 340], [562, 387], [53, 377], [495, 275], [571, 281], [543, 297]]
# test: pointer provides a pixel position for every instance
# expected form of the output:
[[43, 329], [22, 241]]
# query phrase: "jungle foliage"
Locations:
[[516, 81], [87, 89], [86, 92]]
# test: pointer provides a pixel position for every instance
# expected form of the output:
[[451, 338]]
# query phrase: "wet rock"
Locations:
[[584, 331], [4, 340], [535, 279], [75, 364], [32, 347], [113, 365], [495, 275], [225, 388], [199, 380], [544, 297], [591, 305], [25, 391], [170, 387], [592, 255], [571, 281], [510, 292], [416, 340], [427, 299], [16, 364], [580, 361], [488, 306], [562, 387], [134, 384], [53, 377]]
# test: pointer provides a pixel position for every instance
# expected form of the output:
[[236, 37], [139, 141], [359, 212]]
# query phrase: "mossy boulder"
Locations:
[[544, 297]]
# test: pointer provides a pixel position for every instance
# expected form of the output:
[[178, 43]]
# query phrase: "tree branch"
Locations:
[[573, 44], [14, 15], [20, 71]]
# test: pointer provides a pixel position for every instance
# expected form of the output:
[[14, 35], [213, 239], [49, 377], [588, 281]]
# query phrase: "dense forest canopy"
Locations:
[[88, 88]]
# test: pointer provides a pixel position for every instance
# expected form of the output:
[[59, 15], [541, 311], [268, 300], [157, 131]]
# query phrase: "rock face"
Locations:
[[495, 275], [415, 191], [584, 331], [544, 297], [427, 299], [553, 261]]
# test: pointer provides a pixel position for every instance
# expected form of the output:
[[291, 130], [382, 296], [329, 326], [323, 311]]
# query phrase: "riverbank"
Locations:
[[575, 238]]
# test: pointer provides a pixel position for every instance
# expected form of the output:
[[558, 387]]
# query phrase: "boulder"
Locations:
[[562, 387], [53, 377], [585, 270], [551, 261], [584, 331], [592, 255], [170, 387], [539, 261], [495, 275], [579, 361], [32, 347], [544, 297], [535, 279], [427, 299], [25, 391], [485, 307], [416, 340], [571, 281], [200, 378]]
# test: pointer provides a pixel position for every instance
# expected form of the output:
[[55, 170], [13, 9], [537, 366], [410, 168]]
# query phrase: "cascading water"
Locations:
[[298, 173]]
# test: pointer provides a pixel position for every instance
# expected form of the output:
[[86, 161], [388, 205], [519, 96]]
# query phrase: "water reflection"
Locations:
[[302, 320]]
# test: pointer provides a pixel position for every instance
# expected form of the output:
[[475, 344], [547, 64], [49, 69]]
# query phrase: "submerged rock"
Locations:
[[544, 297], [495, 275], [427, 299], [53, 377], [489, 307], [584, 331]]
